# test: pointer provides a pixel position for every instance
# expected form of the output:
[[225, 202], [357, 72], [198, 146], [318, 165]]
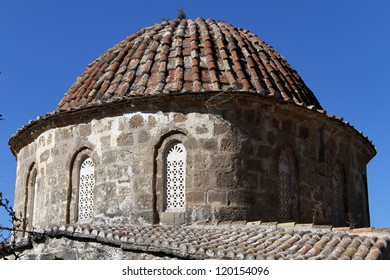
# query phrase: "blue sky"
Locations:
[[339, 48]]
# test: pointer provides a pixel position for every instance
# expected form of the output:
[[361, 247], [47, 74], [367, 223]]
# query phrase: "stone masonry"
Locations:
[[232, 171]]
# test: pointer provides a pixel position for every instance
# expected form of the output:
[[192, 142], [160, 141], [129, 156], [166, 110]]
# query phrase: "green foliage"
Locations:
[[181, 14]]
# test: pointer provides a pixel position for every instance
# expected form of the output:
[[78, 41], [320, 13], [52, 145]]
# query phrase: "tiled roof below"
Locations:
[[237, 240]]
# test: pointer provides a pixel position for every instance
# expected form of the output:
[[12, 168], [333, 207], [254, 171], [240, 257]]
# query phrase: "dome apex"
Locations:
[[184, 56]]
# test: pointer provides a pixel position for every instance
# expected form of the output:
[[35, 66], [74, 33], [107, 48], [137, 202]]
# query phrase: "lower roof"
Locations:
[[234, 240]]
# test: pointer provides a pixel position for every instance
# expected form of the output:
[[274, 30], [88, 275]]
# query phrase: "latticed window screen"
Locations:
[[336, 201], [87, 183], [34, 184], [284, 187], [175, 178]]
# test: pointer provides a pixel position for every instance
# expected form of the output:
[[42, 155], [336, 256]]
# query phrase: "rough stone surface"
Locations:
[[232, 167]]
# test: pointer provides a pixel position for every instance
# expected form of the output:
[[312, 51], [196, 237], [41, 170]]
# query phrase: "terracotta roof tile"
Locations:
[[254, 240], [187, 56]]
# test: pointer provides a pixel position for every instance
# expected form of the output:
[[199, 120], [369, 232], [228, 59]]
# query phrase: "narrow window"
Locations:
[[30, 200], [34, 205], [337, 202], [284, 188], [175, 162], [86, 186]]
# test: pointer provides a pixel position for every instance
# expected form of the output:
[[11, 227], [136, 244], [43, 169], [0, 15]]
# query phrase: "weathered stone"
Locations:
[[220, 129], [210, 145], [217, 197], [125, 139], [143, 136], [44, 156], [179, 117], [152, 121], [136, 121], [85, 130], [235, 164], [201, 129], [229, 145]]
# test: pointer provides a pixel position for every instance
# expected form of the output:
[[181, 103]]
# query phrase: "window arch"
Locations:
[[34, 186], [285, 185], [175, 178], [337, 214], [86, 187], [30, 199]]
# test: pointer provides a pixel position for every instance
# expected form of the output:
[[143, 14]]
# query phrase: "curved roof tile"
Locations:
[[234, 240], [187, 56]]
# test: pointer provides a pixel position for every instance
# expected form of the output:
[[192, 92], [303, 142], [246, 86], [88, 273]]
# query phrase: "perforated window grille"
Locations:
[[87, 183], [35, 187], [284, 187], [175, 178], [336, 202]]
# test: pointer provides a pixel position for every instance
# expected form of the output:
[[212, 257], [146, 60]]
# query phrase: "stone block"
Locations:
[[143, 137], [109, 157], [201, 213], [85, 130], [44, 156], [152, 121], [195, 197], [136, 121], [221, 162], [179, 117], [220, 129], [240, 197], [144, 202], [210, 145], [172, 218], [226, 180], [216, 197], [201, 129], [229, 145], [125, 139], [230, 213]]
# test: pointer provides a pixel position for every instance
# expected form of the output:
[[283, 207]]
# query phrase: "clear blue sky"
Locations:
[[340, 49]]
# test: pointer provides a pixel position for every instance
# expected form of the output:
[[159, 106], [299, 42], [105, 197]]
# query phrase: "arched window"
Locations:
[[29, 219], [34, 183], [86, 186], [175, 178], [284, 188], [336, 202]]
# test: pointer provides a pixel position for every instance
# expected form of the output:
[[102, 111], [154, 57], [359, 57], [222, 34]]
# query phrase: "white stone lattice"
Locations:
[[284, 187], [176, 178], [336, 203], [34, 210], [87, 183]]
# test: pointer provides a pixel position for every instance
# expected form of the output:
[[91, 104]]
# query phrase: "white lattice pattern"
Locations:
[[175, 178], [35, 186], [87, 183], [284, 187], [336, 203]]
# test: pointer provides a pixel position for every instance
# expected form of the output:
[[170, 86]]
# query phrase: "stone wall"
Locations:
[[233, 148]]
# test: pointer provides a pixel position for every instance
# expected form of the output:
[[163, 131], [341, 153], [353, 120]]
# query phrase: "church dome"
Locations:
[[187, 56], [190, 121]]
